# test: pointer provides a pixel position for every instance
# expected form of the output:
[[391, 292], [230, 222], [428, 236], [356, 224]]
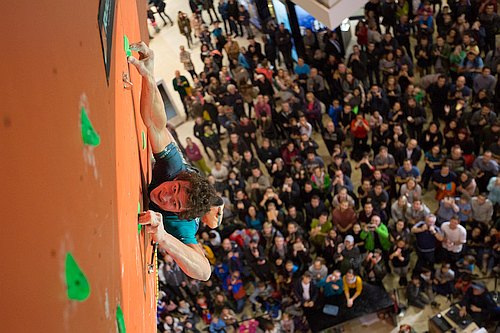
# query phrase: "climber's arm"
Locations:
[[189, 257], [152, 107]]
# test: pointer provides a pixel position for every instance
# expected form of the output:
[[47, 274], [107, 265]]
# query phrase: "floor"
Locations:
[[166, 45]]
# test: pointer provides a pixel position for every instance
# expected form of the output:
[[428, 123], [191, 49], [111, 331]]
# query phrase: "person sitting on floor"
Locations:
[[333, 287], [353, 286], [415, 294], [443, 280], [306, 292]]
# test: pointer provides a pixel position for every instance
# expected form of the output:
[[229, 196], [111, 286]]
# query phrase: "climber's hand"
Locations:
[[145, 63], [154, 224]]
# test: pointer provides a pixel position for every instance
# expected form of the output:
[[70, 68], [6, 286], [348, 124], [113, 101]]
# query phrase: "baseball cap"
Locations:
[[478, 285], [349, 239]]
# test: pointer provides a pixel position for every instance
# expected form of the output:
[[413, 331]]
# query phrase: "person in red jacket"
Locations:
[[235, 286], [359, 130]]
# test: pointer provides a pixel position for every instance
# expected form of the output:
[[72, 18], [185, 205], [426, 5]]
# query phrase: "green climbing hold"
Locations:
[[76, 282], [139, 227], [120, 321], [89, 135], [126, 46], [143, 140]]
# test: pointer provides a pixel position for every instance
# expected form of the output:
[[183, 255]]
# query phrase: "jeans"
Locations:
[[426, 176], [248, 28], [374, 76], [240, 304]]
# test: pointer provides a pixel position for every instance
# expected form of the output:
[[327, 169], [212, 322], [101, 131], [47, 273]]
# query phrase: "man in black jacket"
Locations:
[[372, 66], [478, 303], [233, 14], [270, 50], [415, 118], [284, 43], [333, 46], [267, 153], [314, 209], [437, 94], [236, 144], [306, 292]]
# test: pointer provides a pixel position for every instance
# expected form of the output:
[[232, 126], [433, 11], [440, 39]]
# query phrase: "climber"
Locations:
[[180, 196]]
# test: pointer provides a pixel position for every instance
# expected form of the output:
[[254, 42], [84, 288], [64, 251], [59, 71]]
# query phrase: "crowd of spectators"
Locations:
[[412, 107]]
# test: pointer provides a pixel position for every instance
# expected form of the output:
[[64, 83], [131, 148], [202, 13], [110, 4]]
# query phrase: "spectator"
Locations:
[[353, 286], [482, 210], [344, 217], [193, 153], [477, 302], [443, 280], [235, 286], [217, 325], [427, 235], [417, 212], [349, 256], [307, 292], [400, 259], [415, 295], [374, 268], [376, 233], [318, 270]]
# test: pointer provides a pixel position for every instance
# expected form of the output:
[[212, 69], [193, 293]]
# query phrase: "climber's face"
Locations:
[[172, 196]]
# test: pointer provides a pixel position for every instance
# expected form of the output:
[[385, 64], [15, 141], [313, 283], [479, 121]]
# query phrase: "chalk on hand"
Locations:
[[76, 281], [126, 46], [89, 135], [120, 321]]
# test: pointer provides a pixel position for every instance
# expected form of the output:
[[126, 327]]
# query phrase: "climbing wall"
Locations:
[[73, 257]]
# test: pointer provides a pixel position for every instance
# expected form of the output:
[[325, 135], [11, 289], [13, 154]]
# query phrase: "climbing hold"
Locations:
[[89, 135], [143, 140], [139, 227], [120, 321], [76, 282], [126, 46]]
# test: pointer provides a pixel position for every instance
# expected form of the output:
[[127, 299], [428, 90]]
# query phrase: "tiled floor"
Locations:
[[166, 46]]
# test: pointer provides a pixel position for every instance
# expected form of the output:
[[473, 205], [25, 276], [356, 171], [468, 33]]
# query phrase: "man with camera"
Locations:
[[427, 236]]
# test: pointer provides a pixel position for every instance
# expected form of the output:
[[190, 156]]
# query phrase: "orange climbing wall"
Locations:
[[59, 196]]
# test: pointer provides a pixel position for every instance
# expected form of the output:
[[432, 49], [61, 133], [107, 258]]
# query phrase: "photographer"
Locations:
[[332, 286], [427, 236], [376, 234], [271, 196], [374, 268]]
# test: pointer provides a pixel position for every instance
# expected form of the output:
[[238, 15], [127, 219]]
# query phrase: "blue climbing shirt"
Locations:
[[169, 163]]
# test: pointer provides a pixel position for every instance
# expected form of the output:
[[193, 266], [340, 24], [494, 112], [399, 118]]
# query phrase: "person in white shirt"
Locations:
[[455, 236]]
